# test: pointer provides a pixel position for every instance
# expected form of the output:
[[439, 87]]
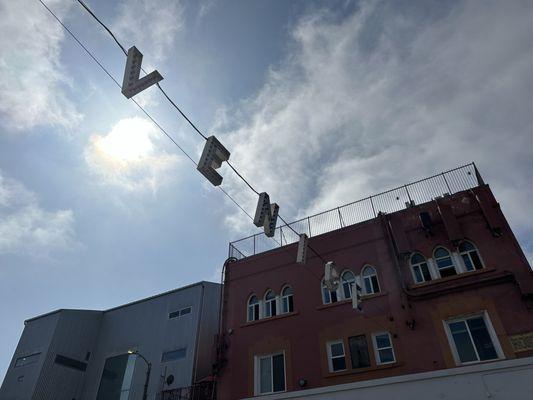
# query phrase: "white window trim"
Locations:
[[257, 373], [264, 302], [460, 257], [411, 267], [330, 356], [490, 329], [376, 352], [282, 297], [338, 291], [433, 270], [375, 273], [459, 264], [452, 257]]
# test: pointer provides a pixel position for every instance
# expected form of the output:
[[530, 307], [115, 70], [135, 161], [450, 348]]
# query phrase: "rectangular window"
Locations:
[[70, 363], [27, 360], [472, 340], [173, 355], [116, 377], [359, 351], [179, 313], [383, 348], [270, 373], [336, 356]]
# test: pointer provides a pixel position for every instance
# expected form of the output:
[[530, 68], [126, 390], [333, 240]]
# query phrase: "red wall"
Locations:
[[501, 289]]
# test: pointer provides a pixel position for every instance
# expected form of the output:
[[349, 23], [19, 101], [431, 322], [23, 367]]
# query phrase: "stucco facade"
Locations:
[[419, 318]]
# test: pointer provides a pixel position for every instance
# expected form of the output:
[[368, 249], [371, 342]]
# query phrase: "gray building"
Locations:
[[104, 355]]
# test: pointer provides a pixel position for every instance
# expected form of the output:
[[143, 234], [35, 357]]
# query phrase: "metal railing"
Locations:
[[427, 189]]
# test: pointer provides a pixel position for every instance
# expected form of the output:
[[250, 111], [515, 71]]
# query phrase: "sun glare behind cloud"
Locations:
[[128, 155]]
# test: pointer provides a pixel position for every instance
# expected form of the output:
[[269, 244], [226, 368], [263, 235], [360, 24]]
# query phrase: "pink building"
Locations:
[[444, 284]]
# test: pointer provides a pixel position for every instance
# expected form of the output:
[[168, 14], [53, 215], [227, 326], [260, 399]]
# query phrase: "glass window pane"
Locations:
[[186, 310], [477, 261], [265, 375], [383, 341], [482, 341], [338, 364], [368, 286], [128, 374], [444, 262], [278, 364], [173, 355], [333, 295], [386, 356], [463, 344], [468, 263], [425, 272], [440, 252], [375, 284], [327, 298], [337, 349], [359, 351], [418, 274], [465, 246], [113, 377], [347, 290], [417, 259], [287, 291], [291, 305]]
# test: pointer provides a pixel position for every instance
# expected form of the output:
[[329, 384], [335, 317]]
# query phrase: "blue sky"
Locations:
[[319, 103]]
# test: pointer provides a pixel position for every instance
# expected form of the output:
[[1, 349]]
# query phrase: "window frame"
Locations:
[[376, 349], [286, 299], [367, 352], [35, 357], [363, 279], [178, 313], [450, 256], [270, 304], [323, 288], [254, 305], [350, 284], [257, 373], [419, 265], [490, 329], [330, 356], [467, 253]]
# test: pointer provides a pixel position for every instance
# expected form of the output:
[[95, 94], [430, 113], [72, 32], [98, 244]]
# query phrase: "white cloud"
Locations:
[[32, 82], [28, 229], [150, 25], [130, 156], [387, 95]]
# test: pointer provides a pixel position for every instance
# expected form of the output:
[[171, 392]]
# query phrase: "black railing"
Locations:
[[199, 391], [422, 191]]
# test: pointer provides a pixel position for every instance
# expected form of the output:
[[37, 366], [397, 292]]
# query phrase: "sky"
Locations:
[[319, 103]]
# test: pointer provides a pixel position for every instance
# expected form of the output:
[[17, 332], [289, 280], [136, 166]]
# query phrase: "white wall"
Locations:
[[500, 380]]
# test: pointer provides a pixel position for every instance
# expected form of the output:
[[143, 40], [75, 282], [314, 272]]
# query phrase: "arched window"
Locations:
[[470, 256], [328, 296], [420, 268], [287, 305], [370, 280], [444, 262], [347, 279], [270, 304], [253, 308]]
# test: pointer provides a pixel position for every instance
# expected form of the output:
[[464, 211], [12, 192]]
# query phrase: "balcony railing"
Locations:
[[422, 191]]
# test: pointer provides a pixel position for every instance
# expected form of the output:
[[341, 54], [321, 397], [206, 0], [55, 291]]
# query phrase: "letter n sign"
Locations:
[[266, 214]]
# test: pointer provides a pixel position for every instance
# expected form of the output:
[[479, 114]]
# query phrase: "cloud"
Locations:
[[28, 229], [386, 95], [150, 25], [129, 156], [33, 84]]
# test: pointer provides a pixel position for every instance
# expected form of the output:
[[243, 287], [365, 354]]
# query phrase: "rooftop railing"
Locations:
[[443, 184]]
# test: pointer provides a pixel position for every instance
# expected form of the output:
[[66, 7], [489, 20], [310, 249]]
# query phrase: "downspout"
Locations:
[[200, 313]]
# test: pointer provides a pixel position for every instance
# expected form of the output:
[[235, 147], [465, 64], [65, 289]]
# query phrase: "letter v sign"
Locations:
[[132, 85]]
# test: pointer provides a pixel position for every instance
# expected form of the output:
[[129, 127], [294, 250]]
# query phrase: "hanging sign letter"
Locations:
[[212, 157], [266, 214], [301, 256], [132, 85]]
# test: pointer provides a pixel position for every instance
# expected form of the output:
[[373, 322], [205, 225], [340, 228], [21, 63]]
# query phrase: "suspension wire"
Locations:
[[103, 68], [174, 105]]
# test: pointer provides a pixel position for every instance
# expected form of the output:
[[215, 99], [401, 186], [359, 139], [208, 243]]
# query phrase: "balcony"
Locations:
[[422, 191]]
